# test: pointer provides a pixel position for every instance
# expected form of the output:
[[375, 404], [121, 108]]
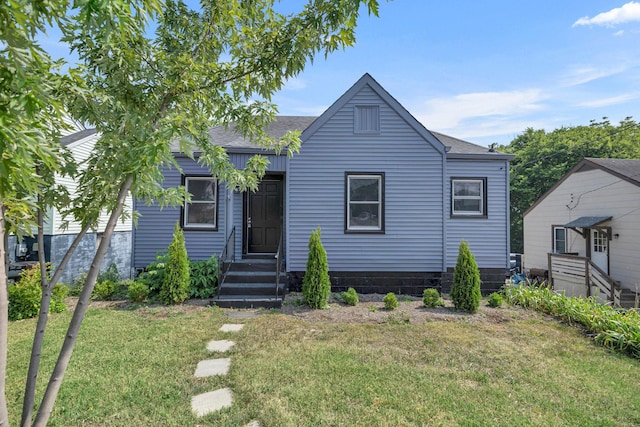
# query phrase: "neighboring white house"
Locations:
[[58, 239], [592, 212]]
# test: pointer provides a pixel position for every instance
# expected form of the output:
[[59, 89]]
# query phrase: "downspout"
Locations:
[[287, 214], [444, 209], [508, 225]]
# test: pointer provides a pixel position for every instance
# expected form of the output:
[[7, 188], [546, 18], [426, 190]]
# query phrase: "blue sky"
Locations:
[[486, 70]]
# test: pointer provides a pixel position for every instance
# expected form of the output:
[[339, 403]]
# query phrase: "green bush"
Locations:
[[77, 284], [175, 286], [26, 294], [350, 297], [465, 290], [153, 274], [316, 286], [618, 330], [390, 301], [104, 290], [138, 292], [111, 273], [203, 278], [495, 300], [431, 298]]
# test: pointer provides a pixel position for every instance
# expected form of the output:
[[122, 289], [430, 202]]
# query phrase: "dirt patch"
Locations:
[[371, 309]]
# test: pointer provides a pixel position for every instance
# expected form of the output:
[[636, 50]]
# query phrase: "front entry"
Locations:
[[600, 249], [264, 215]]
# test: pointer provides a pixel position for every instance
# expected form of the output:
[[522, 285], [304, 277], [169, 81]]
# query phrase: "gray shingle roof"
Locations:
[[68, 139], [628, 168]]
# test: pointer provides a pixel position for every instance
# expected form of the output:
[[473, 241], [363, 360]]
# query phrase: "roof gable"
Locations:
[[367, 80], [625, 169]]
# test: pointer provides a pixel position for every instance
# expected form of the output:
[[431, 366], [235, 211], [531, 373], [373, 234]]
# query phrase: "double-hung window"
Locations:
[[364, 204], [468, 197], [559, 240], [202, 212]]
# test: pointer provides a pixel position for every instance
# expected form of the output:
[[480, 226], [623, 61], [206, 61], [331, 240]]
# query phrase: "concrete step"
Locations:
[[627, 298], [253, 277], [254, 265], [264, 288], [247, 301]]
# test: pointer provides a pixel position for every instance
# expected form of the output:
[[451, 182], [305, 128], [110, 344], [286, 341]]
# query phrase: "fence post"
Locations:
[[587, 276]]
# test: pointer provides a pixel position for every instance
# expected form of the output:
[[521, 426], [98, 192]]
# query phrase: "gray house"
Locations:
[[393, 200]]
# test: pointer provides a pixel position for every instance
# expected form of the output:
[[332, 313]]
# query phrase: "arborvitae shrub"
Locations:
[[495, 300], [316, 285], [390, 301], [350, 297], [175, 286], [138, 292], [465, 290], [431, 298]]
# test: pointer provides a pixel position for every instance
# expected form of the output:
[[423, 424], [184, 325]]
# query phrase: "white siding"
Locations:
[[589, 193]]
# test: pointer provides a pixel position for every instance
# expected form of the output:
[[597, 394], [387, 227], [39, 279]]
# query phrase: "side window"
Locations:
[[468, 197], [364, 202], [559, 240], [202, 212]]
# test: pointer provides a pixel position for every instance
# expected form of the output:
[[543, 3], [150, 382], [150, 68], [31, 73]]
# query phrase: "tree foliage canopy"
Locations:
[[542, 158]]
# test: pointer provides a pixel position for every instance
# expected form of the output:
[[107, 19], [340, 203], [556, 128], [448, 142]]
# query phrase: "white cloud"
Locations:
[[605, 102], [295, 83], [446, 113], [584, 75], [619, 33], [626, 13]]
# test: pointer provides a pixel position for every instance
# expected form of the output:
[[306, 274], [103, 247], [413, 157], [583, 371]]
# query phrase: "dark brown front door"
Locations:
[[264, 219]]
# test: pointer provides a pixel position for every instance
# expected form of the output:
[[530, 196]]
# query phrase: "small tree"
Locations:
[[175, 286], [465, 291], [316, 285]]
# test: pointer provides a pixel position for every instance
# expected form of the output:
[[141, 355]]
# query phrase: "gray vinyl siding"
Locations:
[[155, 227], [413, 173], [488, 237]]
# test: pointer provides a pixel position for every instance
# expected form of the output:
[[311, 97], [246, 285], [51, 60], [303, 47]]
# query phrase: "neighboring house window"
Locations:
[[366, 119], [202, 212], [468, 197], [559, 240], [364, 204], [599, 241]]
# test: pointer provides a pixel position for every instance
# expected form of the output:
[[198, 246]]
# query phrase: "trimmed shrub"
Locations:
[[495, 300], [465, 290], [431, 298], [316, 286], [350, 297], [390, 301], [203, 278], [25, 296], [104, 290], [175, 286], [138, 292]]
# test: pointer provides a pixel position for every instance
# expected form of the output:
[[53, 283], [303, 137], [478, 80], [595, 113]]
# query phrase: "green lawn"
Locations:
[[136, 368]]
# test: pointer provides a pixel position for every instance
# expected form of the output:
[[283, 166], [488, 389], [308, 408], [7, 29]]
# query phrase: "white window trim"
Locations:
[[200, 226], [555, 240], [379, 178], [481, 198]]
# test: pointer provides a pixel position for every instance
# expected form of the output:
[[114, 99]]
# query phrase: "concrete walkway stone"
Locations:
[[208, 368], [253, 424], [206, 403], [231, 327], [220, 346]]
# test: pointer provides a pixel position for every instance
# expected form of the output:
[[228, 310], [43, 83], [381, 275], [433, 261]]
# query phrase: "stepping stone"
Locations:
[[220, 346], [231, 327], [253, 424], [207, 368], [207, 403]]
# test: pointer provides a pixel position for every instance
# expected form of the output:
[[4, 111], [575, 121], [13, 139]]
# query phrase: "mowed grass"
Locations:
[[136, 368]]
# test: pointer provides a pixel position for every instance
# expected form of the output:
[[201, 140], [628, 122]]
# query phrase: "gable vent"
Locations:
[[366, 119]]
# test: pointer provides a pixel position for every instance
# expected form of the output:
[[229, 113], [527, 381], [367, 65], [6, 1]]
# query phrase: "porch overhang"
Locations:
[[584, 223]]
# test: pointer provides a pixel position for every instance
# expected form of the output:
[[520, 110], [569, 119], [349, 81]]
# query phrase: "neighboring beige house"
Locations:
[[591, 214]]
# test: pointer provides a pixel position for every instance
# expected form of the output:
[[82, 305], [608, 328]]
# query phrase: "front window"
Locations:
[[201, 213], [468, 197], [559, 240], [364, 202]]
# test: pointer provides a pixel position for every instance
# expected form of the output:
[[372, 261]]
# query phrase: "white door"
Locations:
[[600, 250]]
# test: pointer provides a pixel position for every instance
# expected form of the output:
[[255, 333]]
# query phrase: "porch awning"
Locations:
[[587, 221]]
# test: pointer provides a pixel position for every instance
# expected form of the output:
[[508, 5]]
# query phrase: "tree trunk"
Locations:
[[47, 287], [44, 412], [4, 322]]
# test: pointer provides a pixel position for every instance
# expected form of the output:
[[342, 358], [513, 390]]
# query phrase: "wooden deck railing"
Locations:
[[279, 259], [227, 256], [578, 276]]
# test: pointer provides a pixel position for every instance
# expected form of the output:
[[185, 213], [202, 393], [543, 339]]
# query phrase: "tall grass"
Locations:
[[616, 329]]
